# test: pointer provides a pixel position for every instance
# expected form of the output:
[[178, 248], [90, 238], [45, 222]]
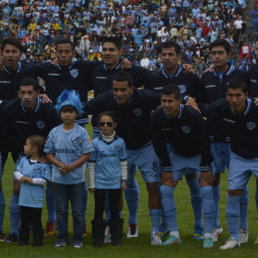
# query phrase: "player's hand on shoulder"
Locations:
[[209, 69], [187, 68], [45, 98], [125, 63], [191, 102]]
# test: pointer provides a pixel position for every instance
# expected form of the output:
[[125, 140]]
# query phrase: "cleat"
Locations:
[[217, 232], [243, 236], [172, 240], [155, 239], [2, 238], [51, 229], [198, 236], [85, 233], [77, 244], [60, 244], [230, 244], [11, 238], [132, 231], [163, 230], [107, 238], [256, 240], [207, 242]]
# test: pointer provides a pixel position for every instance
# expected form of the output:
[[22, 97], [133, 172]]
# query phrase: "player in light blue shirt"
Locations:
[[33, 176], [68, 147], [107, 170]]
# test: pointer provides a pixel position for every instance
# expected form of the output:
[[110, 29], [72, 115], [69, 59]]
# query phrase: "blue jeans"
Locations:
[[74, 193]]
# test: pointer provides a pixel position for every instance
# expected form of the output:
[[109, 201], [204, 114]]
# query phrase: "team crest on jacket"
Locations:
[[40, 124], [137, 111], [186, 129], [74, 139], [74, 73], [182, 88], [251, 125]]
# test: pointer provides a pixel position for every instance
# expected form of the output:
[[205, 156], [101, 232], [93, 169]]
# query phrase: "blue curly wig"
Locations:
[[69, 98]]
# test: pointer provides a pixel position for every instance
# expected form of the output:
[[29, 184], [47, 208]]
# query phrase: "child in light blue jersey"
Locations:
[[107, 170], [68, 147], [33, 176]]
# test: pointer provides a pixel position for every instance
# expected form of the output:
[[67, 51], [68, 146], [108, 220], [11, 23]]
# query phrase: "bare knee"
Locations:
[[166, 178]]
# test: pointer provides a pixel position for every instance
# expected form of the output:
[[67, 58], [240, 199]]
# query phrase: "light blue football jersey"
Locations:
[[32, 195], [68, 147], [107, 157]]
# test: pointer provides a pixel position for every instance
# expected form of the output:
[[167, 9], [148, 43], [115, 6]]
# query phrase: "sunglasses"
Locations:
[[109, 124]]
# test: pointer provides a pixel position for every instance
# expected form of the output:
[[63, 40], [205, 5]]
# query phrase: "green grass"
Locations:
[[139, 247]]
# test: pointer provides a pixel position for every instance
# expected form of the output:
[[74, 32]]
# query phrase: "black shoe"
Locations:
[[116, 230], [23, 237], [38, 237], [98, 232], [11, 238]]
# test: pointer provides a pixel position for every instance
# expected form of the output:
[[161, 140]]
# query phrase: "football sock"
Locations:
[[244, 209], [51, 205], [196, 200], [208, 205], [2, 209], [232, 214], [169, 206], [155, 218], [132, 196], [14, 211], [216, 196]]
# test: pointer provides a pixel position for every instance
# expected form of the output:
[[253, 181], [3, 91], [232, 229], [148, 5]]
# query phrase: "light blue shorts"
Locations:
[[182, 165], [240, 170], [221, 154], [146, 160]]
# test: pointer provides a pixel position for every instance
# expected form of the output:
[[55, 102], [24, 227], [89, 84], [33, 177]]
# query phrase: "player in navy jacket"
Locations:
[[23, 117], [180, 139], [213, 87], [238, 116]]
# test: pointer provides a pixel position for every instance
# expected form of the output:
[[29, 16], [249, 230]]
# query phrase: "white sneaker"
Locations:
[[217, 232], [107, 238], [132, 231], [230, 244], [243, 236], [155, 239]]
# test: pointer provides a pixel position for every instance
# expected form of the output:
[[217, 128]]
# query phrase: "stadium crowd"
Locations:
[[141, 25], [86, 45]]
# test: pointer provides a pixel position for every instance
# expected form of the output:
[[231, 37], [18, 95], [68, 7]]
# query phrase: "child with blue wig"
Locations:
[[68, 147]]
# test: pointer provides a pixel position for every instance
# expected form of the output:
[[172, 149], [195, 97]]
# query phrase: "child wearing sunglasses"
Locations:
[[107, 170]]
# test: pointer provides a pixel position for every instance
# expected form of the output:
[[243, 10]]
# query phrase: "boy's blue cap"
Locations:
[[69, 98]]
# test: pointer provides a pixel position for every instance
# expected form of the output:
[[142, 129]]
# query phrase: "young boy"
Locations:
[[68, 147], [33, 176]]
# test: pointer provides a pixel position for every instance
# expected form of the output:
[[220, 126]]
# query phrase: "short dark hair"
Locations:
[[112, 39], [221, 42], [111, 114], [12, 41], [29, 81], [64, 41], [38, 141], [172, 89], [121, 76], [237, 83], [170, 44]]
